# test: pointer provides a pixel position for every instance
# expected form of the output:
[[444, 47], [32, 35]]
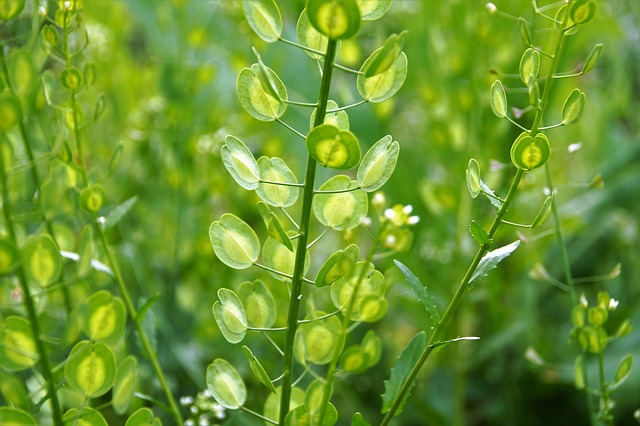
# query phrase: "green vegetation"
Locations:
[[352, 272]]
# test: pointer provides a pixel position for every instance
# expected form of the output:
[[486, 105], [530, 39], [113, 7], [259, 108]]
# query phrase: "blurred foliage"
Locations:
[[168, 72]]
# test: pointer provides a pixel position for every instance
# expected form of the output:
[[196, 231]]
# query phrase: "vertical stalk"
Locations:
[[301, 250], [45, 361]]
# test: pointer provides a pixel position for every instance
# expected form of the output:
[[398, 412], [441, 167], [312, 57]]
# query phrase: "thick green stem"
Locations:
[[301, 251], [45, 361]]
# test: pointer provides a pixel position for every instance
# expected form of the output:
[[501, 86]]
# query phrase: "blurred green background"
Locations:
[[168, 70]]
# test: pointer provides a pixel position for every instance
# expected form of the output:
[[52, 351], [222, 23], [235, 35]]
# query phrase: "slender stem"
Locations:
[[303, 104], [45, 361], [271, 182], [364, 101], [301, 251], [604, 392], [302, 135]]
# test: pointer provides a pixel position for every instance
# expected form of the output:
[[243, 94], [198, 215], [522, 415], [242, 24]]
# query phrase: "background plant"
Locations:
[[168, 72]]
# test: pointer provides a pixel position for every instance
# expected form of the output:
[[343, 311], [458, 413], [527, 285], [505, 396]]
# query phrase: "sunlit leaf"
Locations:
[[491, 260], [373, 9], [41, 260], [264, 18], [256, 99], [380, 87], [276, 170], [400, 373], [333, 148], [234, 242], [384, 57], [529, 153], [105, 317], [125, 384], [378, 164], [278, 257], [90, 368], [310, 37], [92, 198], [340, 264], [421, 291], [258, 369], [592, 59], [258, 303], [341, 210], [225, 384], [336, 19], [573, 107], [318, 342], [230, 316], [17, 347]]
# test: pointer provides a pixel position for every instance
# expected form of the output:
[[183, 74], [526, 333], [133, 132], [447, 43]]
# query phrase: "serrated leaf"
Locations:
[[592, 59], [498, 99], [378, 164], [234, 242], [573, 107], [264, 18], [479, 234], [336, 19], [276, 170], [382, 86], [333, 148], [529, 153], [400, 372], [342, 210], [529, 66], [421, 291], [258, 303], [90, 369], [491, 260], [258, 370], [125, 384], [373, 9], [256, 99], [386, 55], [240, 163], [230, 316], [225, 384]]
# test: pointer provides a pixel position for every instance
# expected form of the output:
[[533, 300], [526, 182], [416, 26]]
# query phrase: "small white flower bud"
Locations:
[[407, 209], [491, 8], [389, 214], [613, 303], [378, 199], [413, 220]]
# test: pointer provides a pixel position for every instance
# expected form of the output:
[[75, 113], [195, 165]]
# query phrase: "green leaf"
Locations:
[[421, 291], [498, 99], [573, 107], [41, 260], [230, 316], [119, 212], [336, 19], [525, 32], [384, 57], [9, 256], [105, 317], [310, 37], [592, 59], [225, 384], [529, 153], [240, 163], [378, 164], [258, 303], [125, 384], [9, 9], [276, 170], [264, 18], [400, 372], [234, 242], [90, 369], [622, 372], [529, 66], [340, 264], [142, 417], [91, 198], [342, 210], [544, 212], [373, 9], [359, 420], [274, 227], [318, 342], [340, 119], [333, 148], [256, 99], [491, 260], [84, 417], [479, 234], [380, 87], [583, 11], [15, 416], [17, 346], [10, 111], [258, 369]]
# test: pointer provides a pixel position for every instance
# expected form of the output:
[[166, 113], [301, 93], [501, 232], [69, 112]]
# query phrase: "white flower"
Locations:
[[583, 301], [407, 209], [378, 199], [613, 303], [413, 220], [390, 214], [365, 221], [574, 147], [390, 241], [491, 8]]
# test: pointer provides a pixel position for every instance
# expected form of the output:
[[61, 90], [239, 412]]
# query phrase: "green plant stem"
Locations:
[[604, 391], [45, 361], [301, 251], [482, 250]]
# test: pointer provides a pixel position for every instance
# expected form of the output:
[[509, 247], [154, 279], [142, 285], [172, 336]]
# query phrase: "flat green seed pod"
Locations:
[[353, 360], [230, 316], [274, 227], [240, 163], [340, 264], [92, 198], [341, 210], [369, 291], [372, 346], [336, 19], [16, 416], [583, 11], [259, 304], [340, 119], [573, 107], [333, 148], [383, 58], [525, 32], [378, 164], [70, 78], [9, 257], [41, 260], [10, 111], [498, 99], [272, 403], [276, 170], [278, 257], [373, 9], [234, 242], [473, 178], [143, 417], [592, 59], [22, 71], [264, 18], [258, 370], [380, 87], [105, 317], [17, 346], [125, 384], [256, 99], [225, 384], [310, 37], [529, 153], [9, 9], [316, 341], [85, 417], [90, 369], [529, 66]]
